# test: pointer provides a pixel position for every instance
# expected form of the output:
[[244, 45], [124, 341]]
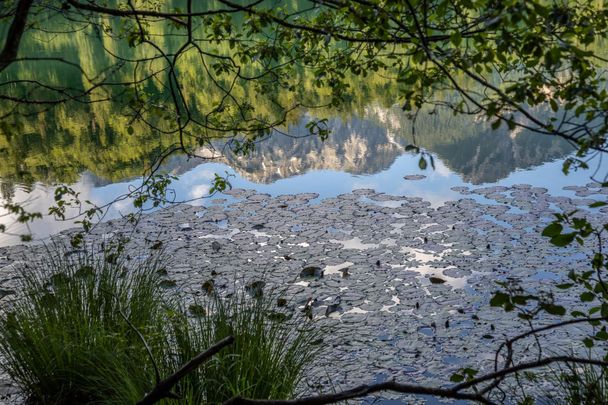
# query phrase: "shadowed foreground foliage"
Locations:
[[77, 336]]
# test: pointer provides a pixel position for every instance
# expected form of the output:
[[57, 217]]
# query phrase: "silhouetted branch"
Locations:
[[163, 388], [15, 31], [362, 391]]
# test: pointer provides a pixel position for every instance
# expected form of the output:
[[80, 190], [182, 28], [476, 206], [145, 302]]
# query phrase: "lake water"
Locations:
[[366, 151]]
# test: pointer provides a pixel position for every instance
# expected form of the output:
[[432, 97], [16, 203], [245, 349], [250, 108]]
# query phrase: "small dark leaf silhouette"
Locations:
[[209, 286], [436, 280], [255, 288], [85, 271], [168, 283], [332, 308], [197, 310], [311, 272], [58, 279], [185, 227], [422, 163], [4, 293], [278, 316]]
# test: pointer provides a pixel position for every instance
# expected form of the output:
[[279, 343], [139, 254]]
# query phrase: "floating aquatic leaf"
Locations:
[[414, 177], [209, 286], [4, 293], [197, 310], [85, 271], [278, 316], [168, 283], [185, 227], [311, 272], [256, 288], [332, 308], [215, 245]]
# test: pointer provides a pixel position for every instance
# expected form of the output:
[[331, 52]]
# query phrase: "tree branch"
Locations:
[[362, 391], [15, 31], [163, 388]]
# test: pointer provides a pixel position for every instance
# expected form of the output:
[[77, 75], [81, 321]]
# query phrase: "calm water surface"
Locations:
[[363, 152]]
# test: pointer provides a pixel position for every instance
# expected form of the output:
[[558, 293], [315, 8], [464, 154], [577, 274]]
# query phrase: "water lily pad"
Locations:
[[436, 280], [209, 286], [215, 245], [256, 288], [168, 283], [414, 177], [311, 272], [85, 271], [197, 310], [4, 292], [278, 316]]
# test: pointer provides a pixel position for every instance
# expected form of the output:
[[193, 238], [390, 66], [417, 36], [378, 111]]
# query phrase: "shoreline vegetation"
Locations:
[[95, 327]]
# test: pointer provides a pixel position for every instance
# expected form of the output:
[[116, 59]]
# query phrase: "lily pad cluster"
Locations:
[[400, 288]]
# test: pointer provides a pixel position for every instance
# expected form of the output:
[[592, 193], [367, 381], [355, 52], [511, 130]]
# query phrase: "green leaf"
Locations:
[[554, 309], [598, 204], [499, 299], [563, 239], [553, 229], [456, 39], [422, 163], [588, 342], [457, 378], [554, 105], [587, 296], [577, 314]]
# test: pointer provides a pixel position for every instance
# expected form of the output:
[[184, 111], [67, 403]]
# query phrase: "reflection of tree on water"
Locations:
[[489, 156], [370, 145], [359, 145]]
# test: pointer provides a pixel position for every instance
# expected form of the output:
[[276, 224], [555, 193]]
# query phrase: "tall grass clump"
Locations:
[[76, 335], [66, 340], [584, 385], [268, 358]]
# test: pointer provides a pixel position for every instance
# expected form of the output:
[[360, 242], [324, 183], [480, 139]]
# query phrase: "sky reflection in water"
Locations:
[[195, 183]]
